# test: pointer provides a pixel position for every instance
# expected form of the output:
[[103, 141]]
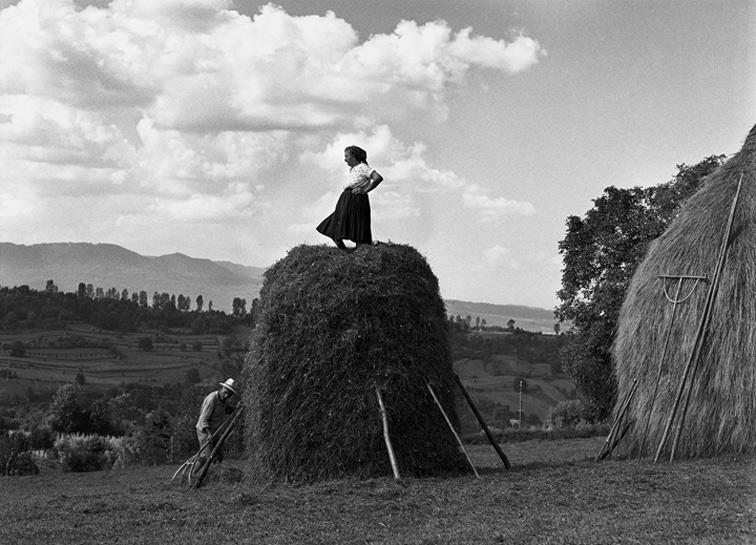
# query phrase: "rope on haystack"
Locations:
[[692, 365]]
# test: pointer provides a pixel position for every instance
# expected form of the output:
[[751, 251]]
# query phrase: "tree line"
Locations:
[[115, 310]]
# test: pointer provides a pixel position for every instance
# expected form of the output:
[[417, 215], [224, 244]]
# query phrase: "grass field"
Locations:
[[554, 494]]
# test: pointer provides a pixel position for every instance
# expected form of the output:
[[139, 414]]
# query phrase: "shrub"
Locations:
[[18, 349], [185, 441], [145, 344], [41, 438], [12, 444], [81, 453], [569, 413]]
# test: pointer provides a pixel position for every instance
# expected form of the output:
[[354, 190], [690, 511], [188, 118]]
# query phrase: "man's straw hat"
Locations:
[[230, 385]]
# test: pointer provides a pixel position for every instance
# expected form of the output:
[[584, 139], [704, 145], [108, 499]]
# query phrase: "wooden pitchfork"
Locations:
[[229, 429], [675, 300], [189, 464]]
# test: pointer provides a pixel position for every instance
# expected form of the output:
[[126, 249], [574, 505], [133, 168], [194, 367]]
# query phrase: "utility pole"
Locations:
[[520, 403]]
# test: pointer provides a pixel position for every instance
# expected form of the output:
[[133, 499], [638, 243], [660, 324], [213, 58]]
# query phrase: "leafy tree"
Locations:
[[11, 320], [145, 344], [51, 287], [192, 375], [568, 413], [101, 418], [153, 439], [184, 302], [200, 302], [601, 253], [124, 414], [81, 379], [239, 306], [63, 410], [18, 349]]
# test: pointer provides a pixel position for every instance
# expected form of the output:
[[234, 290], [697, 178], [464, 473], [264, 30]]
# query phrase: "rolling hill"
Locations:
[[111, 266]]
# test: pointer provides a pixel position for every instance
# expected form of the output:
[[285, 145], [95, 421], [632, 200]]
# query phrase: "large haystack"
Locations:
[[333, 325], [722, 412]]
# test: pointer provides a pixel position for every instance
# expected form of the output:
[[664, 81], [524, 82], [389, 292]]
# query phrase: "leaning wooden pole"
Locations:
[[720, 267], [451, 427], [218, 446], [660, 367], [610, 442], [386, 436], [701, 331], [482, 423]]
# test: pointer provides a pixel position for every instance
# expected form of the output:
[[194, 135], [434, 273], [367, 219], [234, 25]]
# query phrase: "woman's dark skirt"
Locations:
[[350, 220]]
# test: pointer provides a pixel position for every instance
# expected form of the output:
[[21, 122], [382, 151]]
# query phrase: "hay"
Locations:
[[332, 325], [722, 411]]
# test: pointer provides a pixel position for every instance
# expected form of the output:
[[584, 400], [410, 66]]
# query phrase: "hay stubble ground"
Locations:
[[554, 494]]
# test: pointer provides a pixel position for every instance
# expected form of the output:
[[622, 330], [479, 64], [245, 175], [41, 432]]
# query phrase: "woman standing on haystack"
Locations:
[[351, 219]]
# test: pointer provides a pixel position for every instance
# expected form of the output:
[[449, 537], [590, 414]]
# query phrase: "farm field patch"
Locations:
[[105, 358]]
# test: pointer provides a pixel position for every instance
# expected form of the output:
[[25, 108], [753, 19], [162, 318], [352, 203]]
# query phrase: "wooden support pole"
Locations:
[[699, 338], [451, 427], [482, 423], [610, 442], [386, 436], [715, 285]]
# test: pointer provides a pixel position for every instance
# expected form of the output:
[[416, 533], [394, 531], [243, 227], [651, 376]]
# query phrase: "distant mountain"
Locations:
[[110, 266], [527, 318]]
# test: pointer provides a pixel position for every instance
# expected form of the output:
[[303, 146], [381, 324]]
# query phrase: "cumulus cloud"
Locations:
[[189, 110], [497, 257], [492, 208]]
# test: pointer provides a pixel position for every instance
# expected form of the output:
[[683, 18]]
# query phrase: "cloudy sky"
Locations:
[[215, 128]]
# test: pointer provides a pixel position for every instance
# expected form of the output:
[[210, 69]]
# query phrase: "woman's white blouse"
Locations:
[[359, 176]]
